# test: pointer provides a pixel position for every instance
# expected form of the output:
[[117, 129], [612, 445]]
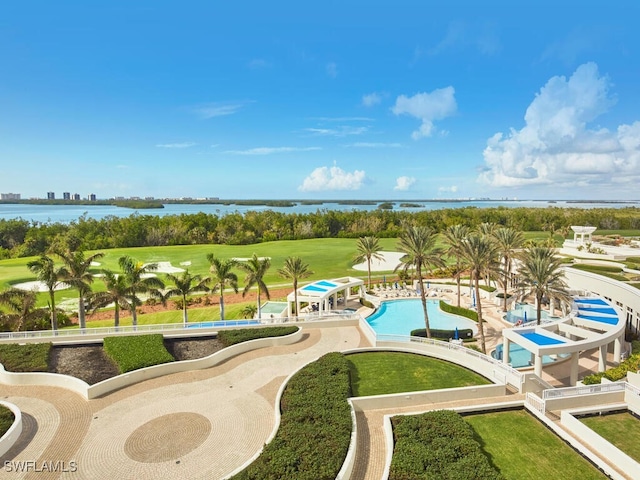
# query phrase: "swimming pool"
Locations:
[[225, 323], [520, 357], [525, 312], [400, 317]]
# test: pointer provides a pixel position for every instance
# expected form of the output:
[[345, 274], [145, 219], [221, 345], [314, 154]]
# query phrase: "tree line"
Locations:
[[21, 238]]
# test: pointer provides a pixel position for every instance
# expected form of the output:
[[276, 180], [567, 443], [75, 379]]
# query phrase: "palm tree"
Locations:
[[117, 292], [295, 269], [223, 276], [22, 306], [481, 255], [256, 268], [139, 280], [186, 284], [78, 276], [541, 274], [455, 235], [419, 247], [368, 248], [249, 311], [508, 240], [51, 276]]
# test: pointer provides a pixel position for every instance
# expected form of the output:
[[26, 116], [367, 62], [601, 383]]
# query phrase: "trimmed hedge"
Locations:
[[437, 444], [232, 337], [463, 312], [6, 419], [315, 427], [30, 357], [631, 364], [137, 351], [463, 333], [614, 273]]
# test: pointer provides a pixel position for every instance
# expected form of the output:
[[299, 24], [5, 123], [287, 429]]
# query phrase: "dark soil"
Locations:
[[91, 364]]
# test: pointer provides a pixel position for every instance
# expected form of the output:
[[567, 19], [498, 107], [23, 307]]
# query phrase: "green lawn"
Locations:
[[523, 448], [6, 420], [621, 429], [380, 373]]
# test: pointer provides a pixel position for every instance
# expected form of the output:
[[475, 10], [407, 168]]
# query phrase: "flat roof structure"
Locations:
[[324, 293]]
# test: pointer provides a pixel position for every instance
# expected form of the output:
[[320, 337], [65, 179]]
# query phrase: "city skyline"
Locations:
[[349, 101]]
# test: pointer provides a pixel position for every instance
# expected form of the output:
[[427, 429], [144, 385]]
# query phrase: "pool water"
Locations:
[[400, 317], [520, 357], [225, 323], [525, 312]]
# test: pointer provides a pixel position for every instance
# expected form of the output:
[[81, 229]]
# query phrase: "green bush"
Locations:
[[463, 333], [137, 351], [231, 337], [315, 427], [631, 364], [463, 312], [437, 444], [366, 303], [6, 420], [30, 357]]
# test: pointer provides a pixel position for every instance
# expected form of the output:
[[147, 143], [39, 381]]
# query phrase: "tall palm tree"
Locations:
[[186, 284], [222, 276], [508, 240], [47, 272], [78, 276], [22, 308], [295, 269], [481, 255], [139, 279], [256, 268], [541, 274], [420, 252], [455, 235], [368, 248], [117, 292]]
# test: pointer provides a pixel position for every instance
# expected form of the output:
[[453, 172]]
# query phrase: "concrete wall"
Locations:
[[15, 430], [633, 400], [582, 401], [45, 380]]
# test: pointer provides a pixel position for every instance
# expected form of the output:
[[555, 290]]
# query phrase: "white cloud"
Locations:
[[556, 145], [271, 150], [374, 145], [341, 131], [332, 69], [258, 63], [404, 183], [371, 99], [332, 178], [428, 107], [210, 110], [176, 145], [451, 189]]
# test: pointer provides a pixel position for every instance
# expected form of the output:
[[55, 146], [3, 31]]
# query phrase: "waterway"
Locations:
[[69, 213]]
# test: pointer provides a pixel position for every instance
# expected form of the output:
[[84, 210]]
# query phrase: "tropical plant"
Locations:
[[140, 279], [541, 274], [22, 309], [455, 235], [222, 276], [249, 311], [47, 272], [117, 293], [508, 241], [295, 269], [420, 252], [368, 249], [185, 284], [76, 274], [481, 255], [256, 268]]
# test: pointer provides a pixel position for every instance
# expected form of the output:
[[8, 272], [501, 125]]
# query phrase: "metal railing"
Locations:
[[535, 402], [568, 392]]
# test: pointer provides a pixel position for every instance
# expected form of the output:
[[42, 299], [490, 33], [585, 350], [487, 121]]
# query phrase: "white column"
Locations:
[[575, 368], [602, 361], [617, 348], [537, 366], [289, 312], [506, 346]]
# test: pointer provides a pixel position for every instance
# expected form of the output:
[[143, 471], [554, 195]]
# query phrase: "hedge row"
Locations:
[[463, 333], [30, 357], [137, 351], [232, 337], [315, 427], [631, 364], [463, 312], [437, 444]]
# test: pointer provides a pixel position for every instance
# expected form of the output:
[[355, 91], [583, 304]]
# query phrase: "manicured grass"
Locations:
[[31, 357], [6, 420], [380, 373], [137, 351], [523, 448], [621, 429], [232, 337]]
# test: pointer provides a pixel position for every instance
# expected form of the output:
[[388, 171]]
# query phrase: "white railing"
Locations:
[[535, 402], [632, 389], [584, 390]]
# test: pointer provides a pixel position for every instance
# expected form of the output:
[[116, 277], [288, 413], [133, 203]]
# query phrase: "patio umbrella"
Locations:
[[455, 334], [525, 316], [474, 297]]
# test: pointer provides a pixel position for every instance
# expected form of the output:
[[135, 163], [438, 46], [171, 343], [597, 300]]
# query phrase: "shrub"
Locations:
[[463, 312], [137, 351], [631, 364], [463, 333], [231, 337], [315, 427], [31, 357], [6, 420], [366, 303]]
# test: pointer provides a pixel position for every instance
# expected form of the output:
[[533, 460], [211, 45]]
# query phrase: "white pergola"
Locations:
[[325, 293], [579, 231]]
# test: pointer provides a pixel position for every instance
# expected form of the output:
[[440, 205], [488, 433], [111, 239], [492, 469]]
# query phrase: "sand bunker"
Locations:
[[389, 262], [38, 286], [166, 267]]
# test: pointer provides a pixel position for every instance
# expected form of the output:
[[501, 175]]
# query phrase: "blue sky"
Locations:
[[328, 100]]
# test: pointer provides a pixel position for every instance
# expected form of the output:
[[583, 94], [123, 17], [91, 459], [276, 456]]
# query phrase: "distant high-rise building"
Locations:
[[92, 197], [76, 197], [51, 196], [66, 196], [9, 196]]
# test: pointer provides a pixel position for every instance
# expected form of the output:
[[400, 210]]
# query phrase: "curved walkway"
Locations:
[[199, 424]]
